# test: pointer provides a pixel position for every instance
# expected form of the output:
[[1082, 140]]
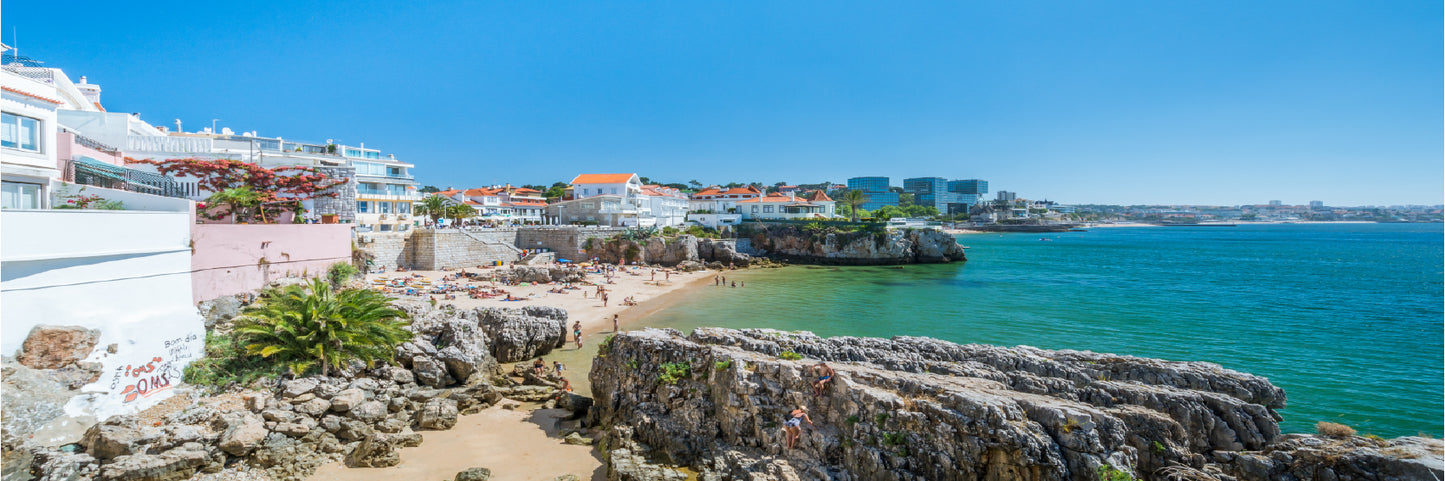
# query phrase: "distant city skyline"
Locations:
[[1218, 103]]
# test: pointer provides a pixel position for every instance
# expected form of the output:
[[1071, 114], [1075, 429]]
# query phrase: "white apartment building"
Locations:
[[718, 200], [779, 206], [667, 206]]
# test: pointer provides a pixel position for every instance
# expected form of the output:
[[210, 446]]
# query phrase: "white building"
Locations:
[[28, 124], [776, 206], [604, 210], [667, 206], [717, 200], [624, 185]]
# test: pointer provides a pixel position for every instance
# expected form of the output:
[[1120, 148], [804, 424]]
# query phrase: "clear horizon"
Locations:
[[1220, 103]]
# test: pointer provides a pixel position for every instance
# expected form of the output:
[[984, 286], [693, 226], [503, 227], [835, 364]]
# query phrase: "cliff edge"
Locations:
[[911, 408]]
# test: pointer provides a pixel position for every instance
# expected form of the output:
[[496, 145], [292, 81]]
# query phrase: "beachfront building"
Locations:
[[503, 204], [667, 206], [876, 190], [933, 192], [779, 206], [385, 188], [628, 186], [28, 125], [609, 210], [718, 200]]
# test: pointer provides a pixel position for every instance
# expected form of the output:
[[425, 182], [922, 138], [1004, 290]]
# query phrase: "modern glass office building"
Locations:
[[970, 186], [877, 191]]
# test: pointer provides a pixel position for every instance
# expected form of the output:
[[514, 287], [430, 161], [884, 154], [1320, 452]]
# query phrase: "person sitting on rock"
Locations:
[[793, 427], [564, 385], [825, 374]]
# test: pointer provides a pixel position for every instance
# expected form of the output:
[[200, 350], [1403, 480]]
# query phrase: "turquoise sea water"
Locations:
[[1347, 318]]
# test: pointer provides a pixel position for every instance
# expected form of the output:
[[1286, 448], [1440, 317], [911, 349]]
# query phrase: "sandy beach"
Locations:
[[522, 444]]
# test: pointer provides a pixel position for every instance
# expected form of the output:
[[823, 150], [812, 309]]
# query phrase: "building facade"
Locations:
[[719, 200], [779, 206], [603, 210], [876, 189]]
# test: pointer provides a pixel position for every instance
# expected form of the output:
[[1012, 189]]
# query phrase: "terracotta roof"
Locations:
[[524, 190], [28, 94], [447, 193], [818, 196], [481, 191], [472, 202], [769, 199], [602, 178]]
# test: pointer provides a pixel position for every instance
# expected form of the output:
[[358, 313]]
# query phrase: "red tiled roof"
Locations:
[[602, 179], [524, 190], [447, 193], [818, 196], [481, 191], [28, 94]]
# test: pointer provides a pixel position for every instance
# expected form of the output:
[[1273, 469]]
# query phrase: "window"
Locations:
[[19, 132], [587, 205], [353, 153], [361, 207], [385, 207], [393, 189], [614, 190], [394, 172], [403, 207], [755, 209], [369, 168], [17, 195], [373, 155], [386, 227], [767, 209]]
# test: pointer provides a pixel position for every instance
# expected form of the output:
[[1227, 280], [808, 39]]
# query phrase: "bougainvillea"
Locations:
[[282, 189]]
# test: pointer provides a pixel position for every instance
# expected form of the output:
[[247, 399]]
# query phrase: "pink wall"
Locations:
[[226, 259], [66, 150]]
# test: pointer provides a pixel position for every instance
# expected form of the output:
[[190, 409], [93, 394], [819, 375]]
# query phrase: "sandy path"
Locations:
[[515, 445]]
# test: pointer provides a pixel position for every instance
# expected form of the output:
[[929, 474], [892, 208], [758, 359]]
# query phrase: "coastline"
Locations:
[[523, 443]]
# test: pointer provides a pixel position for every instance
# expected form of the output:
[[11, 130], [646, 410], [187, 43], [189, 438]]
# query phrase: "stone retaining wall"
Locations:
[[437, 249], [567, 241]]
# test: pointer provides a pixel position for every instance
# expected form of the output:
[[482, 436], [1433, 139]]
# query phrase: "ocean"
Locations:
[[1347, 318]]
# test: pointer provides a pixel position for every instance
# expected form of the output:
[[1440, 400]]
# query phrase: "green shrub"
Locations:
[[226, 362], [1110, 473], [880, 418], [790, 355], [340, 273], [672, 372], [308, 326], [605, 346], [721, 365], [894, 439], [633, 364], [851, 420]]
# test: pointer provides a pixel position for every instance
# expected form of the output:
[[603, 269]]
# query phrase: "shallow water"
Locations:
[[1347, 318]]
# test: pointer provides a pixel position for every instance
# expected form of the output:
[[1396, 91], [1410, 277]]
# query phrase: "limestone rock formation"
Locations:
[[521, 333], [667, 251], [54, 347], [884, 247], [919, 408]]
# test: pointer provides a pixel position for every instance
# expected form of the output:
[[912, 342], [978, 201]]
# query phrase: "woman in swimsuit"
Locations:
[[793, 427]]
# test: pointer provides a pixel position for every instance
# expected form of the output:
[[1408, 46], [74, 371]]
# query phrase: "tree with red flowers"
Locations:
[[281, 189]]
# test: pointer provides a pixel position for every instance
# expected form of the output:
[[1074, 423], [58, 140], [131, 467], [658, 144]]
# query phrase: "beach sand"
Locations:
[[521, 444]]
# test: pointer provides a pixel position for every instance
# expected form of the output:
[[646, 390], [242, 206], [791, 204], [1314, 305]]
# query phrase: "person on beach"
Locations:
[[824, 374], [558, 367], [604, 299], [654, 274], [565, 385], [735, 283], [716, 280], [614, 323], [793, 427], [577, 331], [579, 339], [539, 366]]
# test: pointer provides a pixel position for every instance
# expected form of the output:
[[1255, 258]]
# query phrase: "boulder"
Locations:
[[431, 372], [54, 347], [176, 464], [243, 432], [369, 412], [438, 414], [117, 436], [313, 408], [373, 452], [347, 399], [521, 334], [474, 474], [296, 387]]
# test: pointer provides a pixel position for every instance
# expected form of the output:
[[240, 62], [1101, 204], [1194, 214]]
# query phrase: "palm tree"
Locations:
[[433, 206], [854, 198], [238, 200], [460, 211], [306, 325]]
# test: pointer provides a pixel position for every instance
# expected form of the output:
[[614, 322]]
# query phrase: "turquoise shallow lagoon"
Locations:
[[1347, 318]]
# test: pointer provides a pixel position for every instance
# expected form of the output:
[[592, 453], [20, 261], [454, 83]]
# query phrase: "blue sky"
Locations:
[[1207, 102]]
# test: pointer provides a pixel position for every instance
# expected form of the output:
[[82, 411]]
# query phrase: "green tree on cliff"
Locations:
[[854, 198], [433, 206], [307, 326]]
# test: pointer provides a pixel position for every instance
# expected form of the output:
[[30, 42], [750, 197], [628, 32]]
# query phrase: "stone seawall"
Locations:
[[437, 249], [388, 249], [567, 241]]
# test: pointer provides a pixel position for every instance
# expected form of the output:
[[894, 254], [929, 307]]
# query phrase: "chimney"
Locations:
[[89, 90]]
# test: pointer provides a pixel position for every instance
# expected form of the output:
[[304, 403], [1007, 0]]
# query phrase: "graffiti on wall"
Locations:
[[156, 376]]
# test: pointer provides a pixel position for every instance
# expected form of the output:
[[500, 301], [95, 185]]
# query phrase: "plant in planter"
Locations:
[[280, 190]]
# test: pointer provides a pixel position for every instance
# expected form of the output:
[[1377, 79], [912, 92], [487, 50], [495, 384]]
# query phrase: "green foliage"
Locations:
[[1374, 437], [702, 232], [634, 364], [851, 420], [894, 439], [880, 418], [433, 206], [606, 345], [721, 365], [632, 252], [672, 372], [227, 362], [1159, 447], [1110, 473], [670, 231], [790, 355], [458, 212], [306, 326], [340, 273], [239, 201], [639, 233]]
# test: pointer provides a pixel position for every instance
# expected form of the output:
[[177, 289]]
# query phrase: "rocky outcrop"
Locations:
[[523, 333], [667, 251], [918, 408], [543, 274], [54, 347], [865, 247]]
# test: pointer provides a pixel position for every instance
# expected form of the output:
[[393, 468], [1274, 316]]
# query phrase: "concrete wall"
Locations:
[[126, 273], [231, 259], [566, 241], [387, 249], [448, 248]]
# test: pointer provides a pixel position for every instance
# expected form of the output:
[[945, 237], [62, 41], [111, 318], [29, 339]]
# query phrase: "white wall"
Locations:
[[126, 273]]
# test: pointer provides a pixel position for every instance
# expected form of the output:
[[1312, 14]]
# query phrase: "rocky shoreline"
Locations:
[[803, 245], [919, 408]]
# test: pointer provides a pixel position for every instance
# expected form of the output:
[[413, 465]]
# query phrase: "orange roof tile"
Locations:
[[818, 196], [447, 193], [481, 191], [603, 178]]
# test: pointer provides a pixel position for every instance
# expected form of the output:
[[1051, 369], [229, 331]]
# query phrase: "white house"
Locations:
[[605, 210], [815, 205], [28, 125], [718, 200], [588, 185], [666, 205]]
